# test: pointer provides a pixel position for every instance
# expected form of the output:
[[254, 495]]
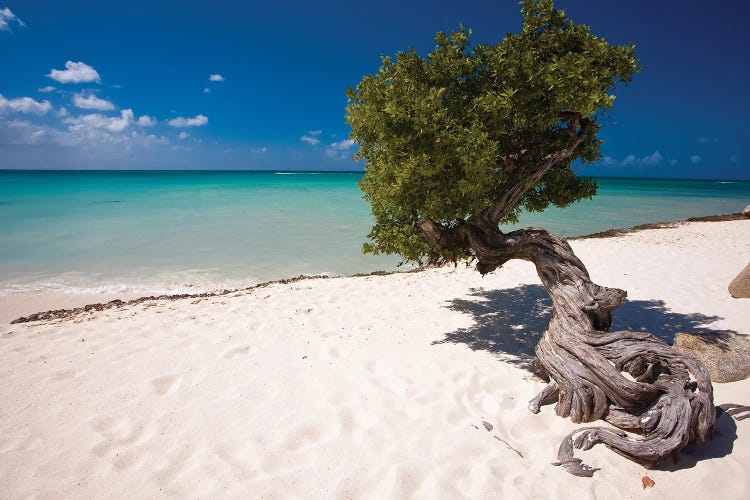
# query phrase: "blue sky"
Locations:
[[88, 84]]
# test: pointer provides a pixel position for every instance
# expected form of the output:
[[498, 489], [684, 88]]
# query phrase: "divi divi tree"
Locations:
[[461, 141]]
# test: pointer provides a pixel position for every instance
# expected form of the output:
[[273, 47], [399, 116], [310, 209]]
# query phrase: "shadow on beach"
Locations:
[[720, 445], [510, 322]]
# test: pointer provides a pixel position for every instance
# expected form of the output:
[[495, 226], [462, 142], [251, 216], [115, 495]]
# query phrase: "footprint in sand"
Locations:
[[305, 435], [64, 375], [237, 352], [165, 384], [117, 433]]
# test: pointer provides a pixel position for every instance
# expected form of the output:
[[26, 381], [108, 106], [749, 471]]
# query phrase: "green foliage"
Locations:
[[437, 132]]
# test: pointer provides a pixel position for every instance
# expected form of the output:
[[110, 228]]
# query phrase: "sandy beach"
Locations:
[[410, 385]]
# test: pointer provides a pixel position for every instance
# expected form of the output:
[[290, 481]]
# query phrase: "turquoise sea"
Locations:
[[84, 231]]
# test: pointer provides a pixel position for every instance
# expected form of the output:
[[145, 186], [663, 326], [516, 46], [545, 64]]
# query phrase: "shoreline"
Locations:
[[405, 385], [133, 298]]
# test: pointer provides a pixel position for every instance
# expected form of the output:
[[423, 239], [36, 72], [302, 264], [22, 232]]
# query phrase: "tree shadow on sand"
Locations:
[[510, 322]]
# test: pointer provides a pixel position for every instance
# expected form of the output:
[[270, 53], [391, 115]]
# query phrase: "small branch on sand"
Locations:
[[509, 446]]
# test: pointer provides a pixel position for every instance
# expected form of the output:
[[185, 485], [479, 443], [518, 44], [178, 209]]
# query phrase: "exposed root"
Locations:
[[670, 404], [737, 412], [667, 396]]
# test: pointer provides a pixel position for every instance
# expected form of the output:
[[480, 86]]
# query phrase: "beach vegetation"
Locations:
[[462, 140], [446, 136]]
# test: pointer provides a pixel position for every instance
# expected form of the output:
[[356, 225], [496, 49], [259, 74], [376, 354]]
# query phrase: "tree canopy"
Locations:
[[482, 131]]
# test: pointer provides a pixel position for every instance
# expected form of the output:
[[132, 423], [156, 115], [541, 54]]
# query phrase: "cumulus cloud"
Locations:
[[206, 90], [196, 121], [311, 137], [91, 102], [75, 72], [89, 133], [96, 131], [340, 148], [695, 159], [7, 17], [24, 105], [146, 121], [48, 88], [183, 135], [96, 121], [216, 78], [22, 132], [651, 160]]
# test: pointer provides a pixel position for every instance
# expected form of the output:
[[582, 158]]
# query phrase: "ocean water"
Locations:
[[164, 231]]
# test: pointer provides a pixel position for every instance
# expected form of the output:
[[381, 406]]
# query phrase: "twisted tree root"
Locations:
[[682, 413], [632, 380]]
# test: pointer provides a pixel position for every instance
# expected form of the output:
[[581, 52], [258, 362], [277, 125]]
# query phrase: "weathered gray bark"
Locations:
[[666, 397]]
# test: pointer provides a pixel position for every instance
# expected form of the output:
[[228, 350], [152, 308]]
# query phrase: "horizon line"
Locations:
[[293, 171]]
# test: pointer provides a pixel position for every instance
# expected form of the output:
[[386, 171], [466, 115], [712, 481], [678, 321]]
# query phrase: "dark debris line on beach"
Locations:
[[612, 233], [101, 306], [68, 313]]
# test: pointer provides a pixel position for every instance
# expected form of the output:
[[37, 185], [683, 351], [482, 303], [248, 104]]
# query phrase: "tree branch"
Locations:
[[520, 184]]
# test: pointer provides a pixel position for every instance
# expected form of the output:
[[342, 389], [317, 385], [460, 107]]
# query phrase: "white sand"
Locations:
[[337, 388]]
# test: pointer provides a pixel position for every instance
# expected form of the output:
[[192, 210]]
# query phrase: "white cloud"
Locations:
[[340, 148], [91, 102], [216, 78], [259, 150], [344, 145], [98, 132], [7, 17], [196, 121], [695, 159], [63, 113], [183, 135], [22, 132], [96, 121], [75, 72], [150, 139], [146, 121], [207, 90], [311, 137], [24, 105], [48, 88], [651, 160], [92, 133]]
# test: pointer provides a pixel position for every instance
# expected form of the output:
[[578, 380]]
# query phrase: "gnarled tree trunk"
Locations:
[[630, 379]]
